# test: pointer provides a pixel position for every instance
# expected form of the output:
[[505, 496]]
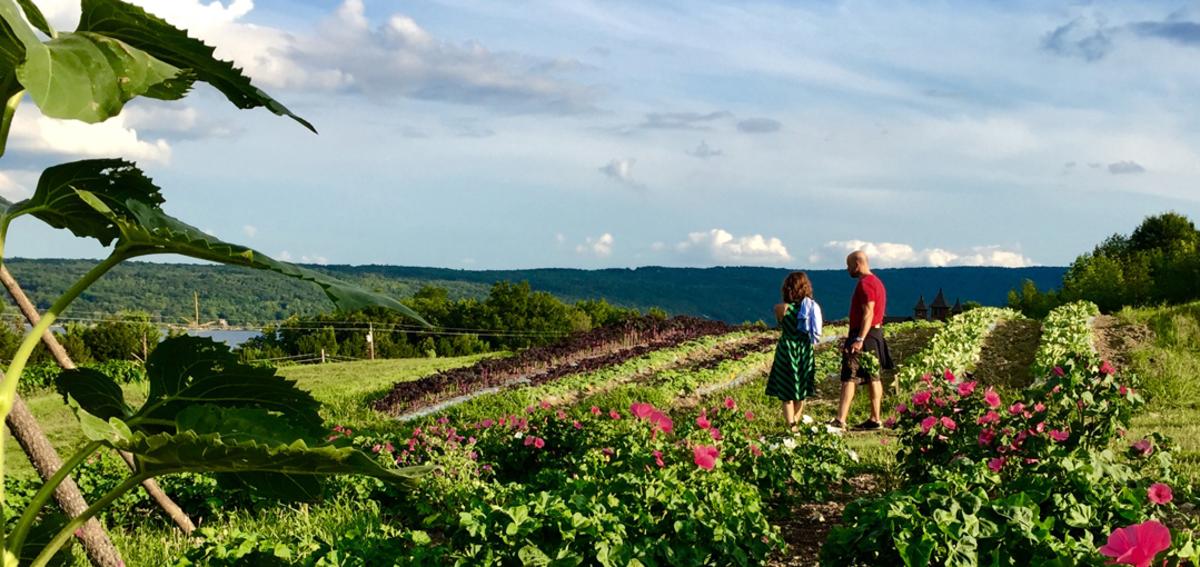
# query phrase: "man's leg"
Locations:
[[847, 398], [876, 400]]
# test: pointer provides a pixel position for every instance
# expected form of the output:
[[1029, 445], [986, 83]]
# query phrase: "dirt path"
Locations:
[[1115, 338], [1007, 355], [807, 526]]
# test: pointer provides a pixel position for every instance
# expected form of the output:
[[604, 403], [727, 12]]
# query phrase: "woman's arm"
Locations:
[[780, 311]]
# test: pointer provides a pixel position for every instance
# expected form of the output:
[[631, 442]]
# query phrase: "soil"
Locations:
[[807, 526], [1007, 355], [1116, 339]]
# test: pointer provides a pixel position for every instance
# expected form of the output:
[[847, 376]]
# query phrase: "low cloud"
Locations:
[[759, 126], [600, 246], [897, 255], [1081, 38], [1125, 168], [703, 151], [35, 133], [621, 171], [1176, 31], [682, 120], [250, 231], [285, 256], [720, 247]]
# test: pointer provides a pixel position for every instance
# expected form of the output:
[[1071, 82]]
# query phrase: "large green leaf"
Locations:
[[89, 76], [136, 27], [94, 391], [56, 202]]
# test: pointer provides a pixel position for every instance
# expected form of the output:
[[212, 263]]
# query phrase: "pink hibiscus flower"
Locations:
[[989, 417], [715, 434], [996, 464], [1159, 493], [921, 398], [949, 423], [658, 459], [928, 423], [949, 376], [1137, 544], [991, 398], [966, 388], [613, 414], [1059, 436], [702, 422], [754, 450], [595, 410], [1144, 446], [986, 437], [1107, 369], [705, 457], [1017, 408], [641, 410], [901, 408], [749, 416], [1058, 371], [730, 404]]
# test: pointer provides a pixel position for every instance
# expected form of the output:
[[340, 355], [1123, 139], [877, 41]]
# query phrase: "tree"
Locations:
[[1167, 233]]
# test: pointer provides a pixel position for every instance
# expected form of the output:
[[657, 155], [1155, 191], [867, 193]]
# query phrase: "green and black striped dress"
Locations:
[[794, 371]]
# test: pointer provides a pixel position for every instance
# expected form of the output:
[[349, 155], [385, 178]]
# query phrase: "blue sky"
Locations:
[[596, 134]]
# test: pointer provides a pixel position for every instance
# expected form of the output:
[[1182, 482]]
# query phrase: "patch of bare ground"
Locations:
[[1117, 338], [1008, 352], [806, 526]]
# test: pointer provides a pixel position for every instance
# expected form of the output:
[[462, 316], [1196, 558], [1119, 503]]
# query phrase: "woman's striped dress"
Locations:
[[794, 371]]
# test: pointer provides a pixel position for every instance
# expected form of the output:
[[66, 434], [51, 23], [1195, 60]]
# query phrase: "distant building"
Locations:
[[939, 310]]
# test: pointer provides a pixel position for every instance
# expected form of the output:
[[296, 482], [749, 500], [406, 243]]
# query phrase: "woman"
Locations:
[[794, 371]]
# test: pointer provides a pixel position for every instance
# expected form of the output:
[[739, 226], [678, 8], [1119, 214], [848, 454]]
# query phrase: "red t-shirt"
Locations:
[[869, 288]]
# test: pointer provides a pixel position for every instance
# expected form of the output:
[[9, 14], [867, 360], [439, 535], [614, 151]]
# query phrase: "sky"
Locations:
[[596, 134]]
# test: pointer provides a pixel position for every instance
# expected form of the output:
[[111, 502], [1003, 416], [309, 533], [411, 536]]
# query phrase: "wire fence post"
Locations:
[[322, 356]]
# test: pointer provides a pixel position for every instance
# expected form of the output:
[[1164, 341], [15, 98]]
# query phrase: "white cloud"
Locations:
[[720, 246], [621, 171], [600, 247], [113, 137], [250, 230], [11, 188], [285, 256], [896, 255]]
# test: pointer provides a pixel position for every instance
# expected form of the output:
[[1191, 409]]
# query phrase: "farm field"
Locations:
[[519, 439]]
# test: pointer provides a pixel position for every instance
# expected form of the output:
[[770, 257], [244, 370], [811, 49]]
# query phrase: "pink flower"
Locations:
[[1040, 427], [949, 376], [901, 408], [561, 414], [921, 398], [486, 423], [613, 414], [730, 404], [702, 422], [715, 434], [949, 423], [754, 450], [577, 425], [376, 448], [1137, 544], [545, 404], [890, 423], [1058, 371], [1059, 436], [595, 410], [1159, 493], [661, 421], [749, 416], [986, 436], [641, 410], [966, 388], [608, 452], [996, 464], [927, 424], [538, 442], [991, 398], [705, 457], [1107, 369], [1122, 390], [658, 459], [927, 378], [1145, 447], [1017, 408], [989, 417]]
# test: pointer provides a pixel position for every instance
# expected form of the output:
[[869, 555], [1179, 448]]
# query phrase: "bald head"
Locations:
[[857, 264]]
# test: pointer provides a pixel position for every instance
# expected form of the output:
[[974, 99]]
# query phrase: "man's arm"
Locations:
[[864, 326]]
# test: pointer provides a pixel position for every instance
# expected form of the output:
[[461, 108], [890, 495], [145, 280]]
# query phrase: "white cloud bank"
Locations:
[[896, 255], [600, 246], [722, 247]]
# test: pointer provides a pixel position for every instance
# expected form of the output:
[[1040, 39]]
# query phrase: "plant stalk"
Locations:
[[43, 495], [65, 533]]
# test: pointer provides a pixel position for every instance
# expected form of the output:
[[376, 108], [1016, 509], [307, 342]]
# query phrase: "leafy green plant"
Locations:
[[956, 347], [205, 411]]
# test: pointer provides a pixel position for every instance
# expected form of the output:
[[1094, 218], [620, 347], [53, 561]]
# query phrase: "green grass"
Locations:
[[1170, 373]]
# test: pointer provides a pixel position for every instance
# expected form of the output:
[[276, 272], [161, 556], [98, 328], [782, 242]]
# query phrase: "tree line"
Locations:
[[1158, 263]]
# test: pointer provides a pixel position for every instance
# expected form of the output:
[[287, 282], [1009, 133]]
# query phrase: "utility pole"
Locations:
[[371, 340], [196, 299], [322, 356]]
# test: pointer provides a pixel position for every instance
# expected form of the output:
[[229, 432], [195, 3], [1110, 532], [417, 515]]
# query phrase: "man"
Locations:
[[867, 308]]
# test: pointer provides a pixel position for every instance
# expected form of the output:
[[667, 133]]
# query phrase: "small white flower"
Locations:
[[518, 435], [789, 443], [853, 455], [806, 419], [774, 447], [831, 430]]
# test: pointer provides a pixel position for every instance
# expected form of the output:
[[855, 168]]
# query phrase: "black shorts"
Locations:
[[875, 344]]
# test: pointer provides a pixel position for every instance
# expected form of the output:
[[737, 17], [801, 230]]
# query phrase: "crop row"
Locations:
[[956, 347], [1066, 336], [590, 380], [594, 349]]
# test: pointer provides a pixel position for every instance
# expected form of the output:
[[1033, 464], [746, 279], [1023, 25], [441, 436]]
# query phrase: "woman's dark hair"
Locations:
[[796, 287]]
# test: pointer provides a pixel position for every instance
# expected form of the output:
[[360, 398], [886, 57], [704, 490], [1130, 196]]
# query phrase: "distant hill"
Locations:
[[731, 294]]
